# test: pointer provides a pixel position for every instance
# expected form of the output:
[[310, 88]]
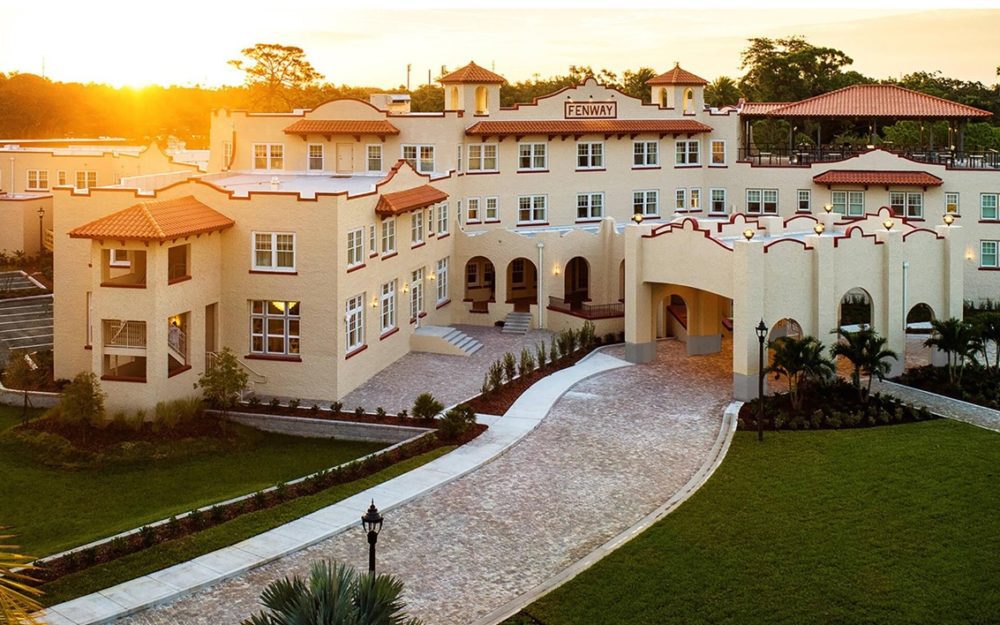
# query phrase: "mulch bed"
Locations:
[[327, 415], [113, 434], [980, 385], [499, 402]]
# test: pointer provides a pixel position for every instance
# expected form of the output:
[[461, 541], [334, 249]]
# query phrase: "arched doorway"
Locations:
[[522, 284], [918, 329], [480, 283], [577, 283], [621, 281], [784, 328], [855, 311]]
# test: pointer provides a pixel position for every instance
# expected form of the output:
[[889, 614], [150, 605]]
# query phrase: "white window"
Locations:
[[315, 157], [442, 219], [374, 156], [472, 210], [459, 160], [803, 201], [483, 157], [372, 240], [416, 293], [354, 317], [762, 201], [387, 305], [694, 197], [355, 247], [274, 327], [589, 155], [430, 221], [61, 178], [441, 277], [532, 157], [589, 205], [910, 205], [646, 203], [420, 157], [388, 235], [988, 206], [532, 209], [680, 200], [688, 152], [119, 258], [718, 201], [86, 179], [268, 156], [38, 180], [988, 256], [416, 227], [227, 154], [849, 203], [492, 208], [951, 203], [645, 154], [274, 251], [718, 152]]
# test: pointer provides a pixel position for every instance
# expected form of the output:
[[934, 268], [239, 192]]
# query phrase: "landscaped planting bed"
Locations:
[[979, 385]]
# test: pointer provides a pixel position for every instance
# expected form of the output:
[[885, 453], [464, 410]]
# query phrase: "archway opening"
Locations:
[[480, 283], [482, 100], [784, 328], [918, 329], [689, 101], [676, 316], [453, 99], [522, 284], [621, 281], [577, 283], [664, 101], [855, 311]]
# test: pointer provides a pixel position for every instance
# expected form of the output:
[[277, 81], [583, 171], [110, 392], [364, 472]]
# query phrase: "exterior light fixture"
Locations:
[[748, 234], [431, 277], [372, 522], [888, 224], [405, 289], [555, 269], [819, 228], [761, 331], [374, 302], [828, 208], [949, 219], [637, 218]]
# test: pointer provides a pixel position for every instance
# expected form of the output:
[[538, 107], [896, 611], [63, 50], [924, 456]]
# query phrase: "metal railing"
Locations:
[[805, 155], [118, 333], [253, 377], [587, 310], [48, 241], [177, 341]]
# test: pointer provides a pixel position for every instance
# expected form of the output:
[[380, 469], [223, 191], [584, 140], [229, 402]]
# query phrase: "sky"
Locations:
[[187, 43]]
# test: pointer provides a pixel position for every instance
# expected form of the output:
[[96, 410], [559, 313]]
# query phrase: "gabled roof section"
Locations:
[[876, 101], [878, 178], [586, 126], [390, 204], [472, 73], [379, 127], [161, 220], [677, 76]]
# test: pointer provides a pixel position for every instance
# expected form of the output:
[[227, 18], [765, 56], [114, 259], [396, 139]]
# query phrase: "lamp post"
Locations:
[[761, 335], [41, 230], [372, 522]]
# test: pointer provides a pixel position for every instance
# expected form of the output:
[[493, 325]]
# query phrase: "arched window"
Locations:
[[688, 100], [663, 98], [453, 99], [482, 100]]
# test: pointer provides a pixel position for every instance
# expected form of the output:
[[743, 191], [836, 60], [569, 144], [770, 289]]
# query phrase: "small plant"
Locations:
[[609, 338], [540, 353], [88, 556], [117, 546], [275, 403], [82, 401], [380, 412], [259, 499], [554, 350], [509, 367], [527, 362], [485, 388], [281, 491], [223, 381], [294, 404], [496, 376], [336, 407], [147, 536], [197, 519], [359, 412], [426, 407], [402, 414], [217, 514], [173, 526], [254, 401], [456, 422], [588, 335], [314, 409]]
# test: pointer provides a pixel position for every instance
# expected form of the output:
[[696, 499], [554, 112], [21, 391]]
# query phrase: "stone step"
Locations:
[[444, 340], [517, 323]]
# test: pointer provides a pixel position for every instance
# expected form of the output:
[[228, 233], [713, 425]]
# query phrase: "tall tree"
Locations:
[[276, 74], [20, 375], [721, 92], [791, 68], [634, 83]]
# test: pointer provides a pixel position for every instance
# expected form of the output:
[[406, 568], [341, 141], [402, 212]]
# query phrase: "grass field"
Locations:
[[887, 526]]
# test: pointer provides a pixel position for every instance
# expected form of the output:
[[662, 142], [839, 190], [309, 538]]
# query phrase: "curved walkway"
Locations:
[[613, 449], [941, 405]]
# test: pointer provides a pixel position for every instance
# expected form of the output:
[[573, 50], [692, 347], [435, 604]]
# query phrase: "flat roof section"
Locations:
[[306, 185]]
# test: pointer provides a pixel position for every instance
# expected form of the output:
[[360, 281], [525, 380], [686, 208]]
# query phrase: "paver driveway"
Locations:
[[25, 324], [612, 449]]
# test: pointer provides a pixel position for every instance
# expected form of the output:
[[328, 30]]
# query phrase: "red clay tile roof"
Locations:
[[408, 200], [160, 220], [378, 127], [878, 178], [586, 126], [472, 73], [761, 108], [677, 76], [868, 101]]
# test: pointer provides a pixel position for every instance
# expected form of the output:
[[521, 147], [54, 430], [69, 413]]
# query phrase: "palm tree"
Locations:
[[868, 355], [17, 597], [988, 329], [335, 594], [851, 346], [957, 339], [800, 360]]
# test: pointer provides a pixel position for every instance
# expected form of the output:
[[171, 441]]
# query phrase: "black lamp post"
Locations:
[[372, 522], [41, 230], [761, 335]]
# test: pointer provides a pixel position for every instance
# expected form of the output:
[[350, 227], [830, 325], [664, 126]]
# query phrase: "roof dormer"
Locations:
[[678, 89], [472, 87]]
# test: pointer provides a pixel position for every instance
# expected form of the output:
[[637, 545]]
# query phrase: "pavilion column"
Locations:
[[961, 135]]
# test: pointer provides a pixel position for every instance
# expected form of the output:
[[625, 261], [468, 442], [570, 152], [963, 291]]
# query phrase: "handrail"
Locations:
[[262, 379], [589, 311]]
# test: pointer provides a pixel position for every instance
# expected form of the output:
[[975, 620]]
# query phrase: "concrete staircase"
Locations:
[[443, 340], [517, 323]]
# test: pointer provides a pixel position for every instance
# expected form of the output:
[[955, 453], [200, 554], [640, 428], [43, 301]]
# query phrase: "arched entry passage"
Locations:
[[480, 284], [855, 310], [676, 316], [522, 284], [577, 282], [918, 329], [789, 328]]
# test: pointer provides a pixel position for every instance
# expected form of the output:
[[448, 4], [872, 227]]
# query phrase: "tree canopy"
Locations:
[[276, 74]]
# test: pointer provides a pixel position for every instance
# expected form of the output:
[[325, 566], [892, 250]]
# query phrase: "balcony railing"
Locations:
[[805, 155], [129, 334], [586, 310]]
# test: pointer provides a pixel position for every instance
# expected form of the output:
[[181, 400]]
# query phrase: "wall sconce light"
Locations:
[[888, 224], [374, 302], [819, 228], [970, 255], [748, 234], [949, 219], [405, 288], [555, 269], [637, 218], [828, 208], [431, 277]]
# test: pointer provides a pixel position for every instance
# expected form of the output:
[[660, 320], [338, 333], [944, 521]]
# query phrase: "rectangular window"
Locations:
[[531, 157], [838, 199], [387, 305], [483, 157], [416, 293], [589, 155], [119, 258], [458, 167], [420, 157], [688, 152], [374, 156], [372, 240], [86, 179], [274, 327], [589, 205], [856, 203], [803, 201], [694, 197], [492, 209], [274, 251], [680, 200], [472, 210], [646, 203], [354, 316], [442, 219], [430, 220], [416, 227], [355, 247], [38, 180], [770, 201], [388, 235], [915, 205], [227, 154], [532, 209], [951, 203], [718, 204], [441, 277], [517, 271], [988, 206], [268, 156], [762, 201], [988, 255], [61, 178], [718, 152], [315, 157], [472, 274], [645, 154]]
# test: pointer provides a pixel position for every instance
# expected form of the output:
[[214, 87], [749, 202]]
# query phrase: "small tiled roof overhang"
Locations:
[[586, 126], [677, 76], [390, 204], [162, 220], [474, 74], [379, 127], [878, 178], [876, 101], [760, 108]]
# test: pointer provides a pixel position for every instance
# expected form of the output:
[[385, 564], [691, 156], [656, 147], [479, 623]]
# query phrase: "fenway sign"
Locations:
[[591, 110]]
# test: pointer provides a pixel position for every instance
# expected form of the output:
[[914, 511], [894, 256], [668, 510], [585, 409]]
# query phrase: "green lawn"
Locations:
[[887, 525], [55, 509]]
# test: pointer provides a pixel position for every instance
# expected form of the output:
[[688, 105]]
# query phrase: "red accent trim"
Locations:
[[123, 286], [389, 333], [178, 280], [489, 172], [273, 357], [356, 267], [988, 221], [589, 220], [474, 223], [178, 371], [389, 255], [533, 224], [444, 236], [273, 273], [422, 315], [442, 304], [372, 254], [355, 351], [532, 171], [480, 312], [415, 246], [89, 347], [989, 268], [641, 167], [116, 378], [586, 169], [767, 246], [688, 166], [927, 230]]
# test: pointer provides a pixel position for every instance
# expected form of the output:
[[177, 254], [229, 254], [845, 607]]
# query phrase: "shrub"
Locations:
[[609, 338], [485, 388], [359, 412], [314, 409], [217, 514], [402, 414], [554, 350], [197, 519], [173, 527], [117, 546], [527, 363], [426, 407], [275, 403], [147, 536], [294, 404], [540, 354], [588, 335], [495, 374], [82, 401], [254, 401], [456, 422], [223, 381], [137, 420], [336, 407], [509, 367], [259, 499]]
